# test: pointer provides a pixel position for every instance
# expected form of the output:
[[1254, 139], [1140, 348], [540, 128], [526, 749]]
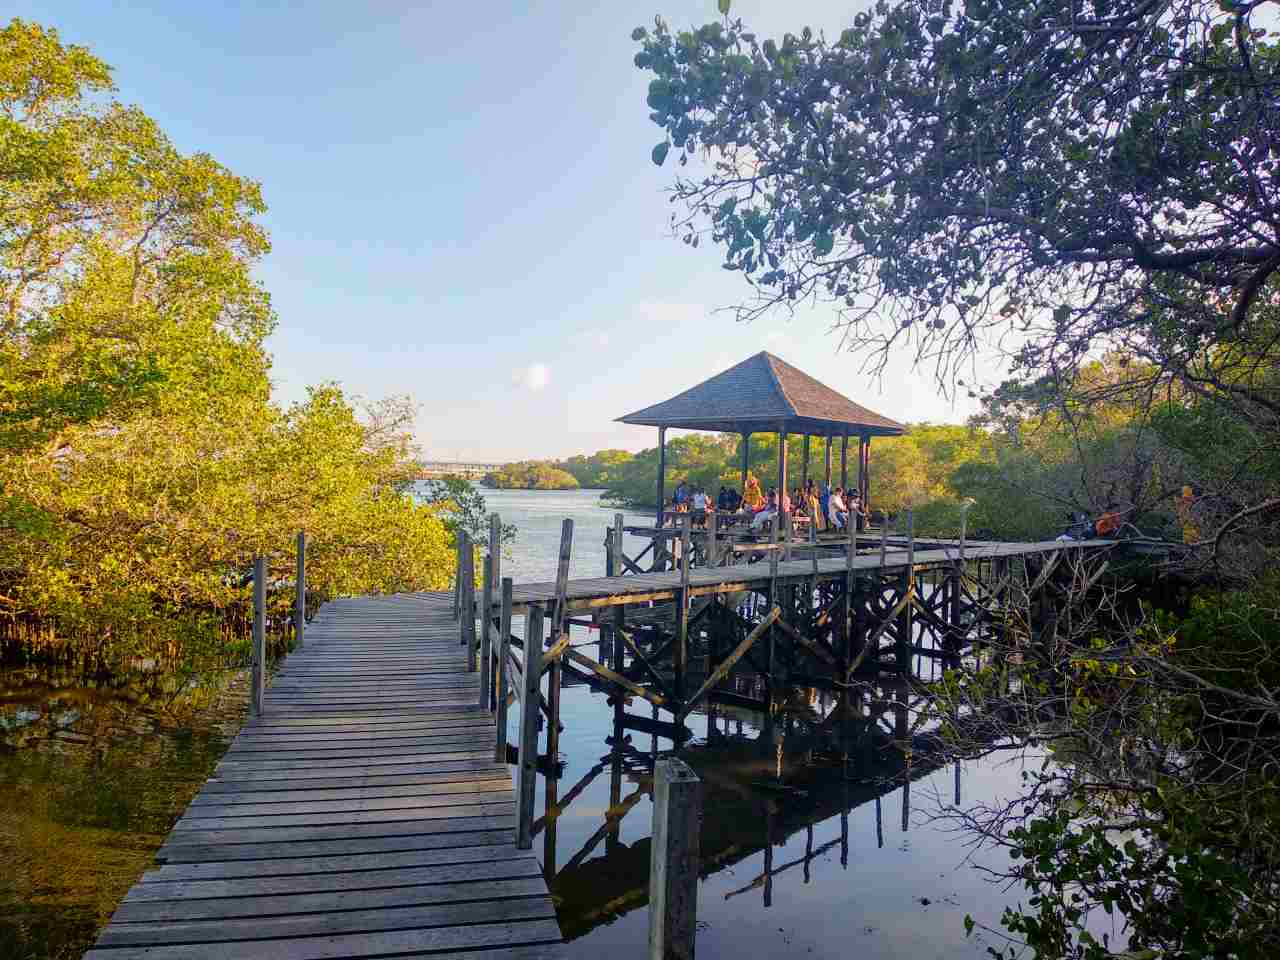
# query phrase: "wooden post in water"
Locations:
[[559, 627], [680, 653], [908, 587], [504, 651], [674, 860], [619, 611], [258, 672], [530, 698], [464, 544], [300, 590], [492, 570]]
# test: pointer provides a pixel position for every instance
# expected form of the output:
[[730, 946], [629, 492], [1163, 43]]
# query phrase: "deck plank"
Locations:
[[362, 815]]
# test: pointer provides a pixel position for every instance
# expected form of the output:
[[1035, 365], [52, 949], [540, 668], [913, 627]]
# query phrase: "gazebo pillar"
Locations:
[[662, 471], [864, 474], [804, 470], [746, 460], [782, 467], [844, 464], [826, 472]]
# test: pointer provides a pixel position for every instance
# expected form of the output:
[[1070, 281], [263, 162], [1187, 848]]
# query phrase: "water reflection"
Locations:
[[93, 773], [807, 826]]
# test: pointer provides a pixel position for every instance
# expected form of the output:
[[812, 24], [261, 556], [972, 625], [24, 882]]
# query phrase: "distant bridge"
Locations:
[[457, 468]]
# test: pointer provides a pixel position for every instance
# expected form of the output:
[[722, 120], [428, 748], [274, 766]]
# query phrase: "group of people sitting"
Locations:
[[826, 508]]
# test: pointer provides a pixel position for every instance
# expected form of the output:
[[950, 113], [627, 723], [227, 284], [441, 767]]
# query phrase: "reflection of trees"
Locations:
[[816, 759]]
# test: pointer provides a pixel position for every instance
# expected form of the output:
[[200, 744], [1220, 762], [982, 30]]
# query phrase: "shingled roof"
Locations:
[[764, 394]]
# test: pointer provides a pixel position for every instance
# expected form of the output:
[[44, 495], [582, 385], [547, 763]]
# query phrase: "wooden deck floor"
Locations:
[[594, 592], [361, 816]]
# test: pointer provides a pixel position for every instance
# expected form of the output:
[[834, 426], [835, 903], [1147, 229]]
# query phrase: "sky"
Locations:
[[462, 208]]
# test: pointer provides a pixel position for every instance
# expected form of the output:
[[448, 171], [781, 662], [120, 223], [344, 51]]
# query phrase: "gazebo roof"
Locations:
[[763, 394]]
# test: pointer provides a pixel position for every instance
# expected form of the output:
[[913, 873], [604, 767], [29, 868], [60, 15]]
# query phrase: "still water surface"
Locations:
[[91, 779], [858, 883]]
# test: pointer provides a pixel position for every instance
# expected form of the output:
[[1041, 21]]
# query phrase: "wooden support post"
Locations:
[[620, 611], [844, 466], [864, 473], [826, 467], [746, 460], [662, 471], [300, 591], [774, 600], [504, 651], [674, 861], [559, 635], [904, 644], [847, 621], [804, 468], [464, 547], [782, 472], [529, 700], [492, 579], [457, 577], [680, 653], [469, 603], [258, 671], [788, 531], [713, 540]]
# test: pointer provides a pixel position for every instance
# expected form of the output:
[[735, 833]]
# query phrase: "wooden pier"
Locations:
[[361, 814]]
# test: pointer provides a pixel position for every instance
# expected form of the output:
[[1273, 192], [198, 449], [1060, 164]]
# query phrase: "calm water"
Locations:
[[91, 779], [882, 891]]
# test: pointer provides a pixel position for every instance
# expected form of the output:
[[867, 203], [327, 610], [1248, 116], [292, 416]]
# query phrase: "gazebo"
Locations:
[[764, 394]]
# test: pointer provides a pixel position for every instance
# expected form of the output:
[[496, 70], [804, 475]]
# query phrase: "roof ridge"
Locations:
[[777, 380]]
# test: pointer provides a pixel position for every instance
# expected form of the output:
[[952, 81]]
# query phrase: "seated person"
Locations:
[[722, 499], [839, 512], [735, 499], [767, 512], [752, 499]]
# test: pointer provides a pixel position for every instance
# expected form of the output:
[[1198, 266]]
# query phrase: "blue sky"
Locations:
[[462, 207]]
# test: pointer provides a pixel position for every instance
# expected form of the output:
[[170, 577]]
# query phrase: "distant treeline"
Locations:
[[530, 475], [1029, 465]]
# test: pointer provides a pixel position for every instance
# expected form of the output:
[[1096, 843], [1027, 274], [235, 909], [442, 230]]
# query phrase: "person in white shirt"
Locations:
[[839, 512]]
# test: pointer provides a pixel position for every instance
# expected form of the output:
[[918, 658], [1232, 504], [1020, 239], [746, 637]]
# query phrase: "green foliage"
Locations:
[[874, 171], [142, 464], [598, 470], [531, 475]]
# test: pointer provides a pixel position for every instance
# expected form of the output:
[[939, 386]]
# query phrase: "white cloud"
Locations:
[[533, 377]]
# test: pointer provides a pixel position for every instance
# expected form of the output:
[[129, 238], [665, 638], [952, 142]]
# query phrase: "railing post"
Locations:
[[504, 651], [680, 653], [530, 699], [457, 579], [674, 860], [468, 607], [559, 628], [486, 614], [300, 590], [257, 677]]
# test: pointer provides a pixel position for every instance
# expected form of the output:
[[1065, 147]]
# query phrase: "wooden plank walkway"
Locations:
[[362, 815], [594, 592]]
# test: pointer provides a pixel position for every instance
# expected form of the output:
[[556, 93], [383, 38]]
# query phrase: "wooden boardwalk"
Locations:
[[362, 815], [594, 592]]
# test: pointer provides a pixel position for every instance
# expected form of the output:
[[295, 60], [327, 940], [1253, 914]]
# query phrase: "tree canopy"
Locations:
[[142, 462], [1049, 177]]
